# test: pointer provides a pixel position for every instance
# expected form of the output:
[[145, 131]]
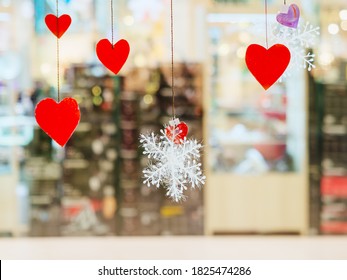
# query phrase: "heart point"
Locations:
[[58, 26], [58, 120], [113, 57], [267, 65]]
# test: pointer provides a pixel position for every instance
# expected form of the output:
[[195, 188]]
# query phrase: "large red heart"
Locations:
[[58, 26], [58, 120], [177, 133], [113, 57], [267, 65]]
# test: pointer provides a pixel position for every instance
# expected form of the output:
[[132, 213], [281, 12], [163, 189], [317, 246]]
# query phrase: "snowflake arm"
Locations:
[[305, 35], [151, 148], [173, 166], [152, 174], [194, 173], [308, 61], [297, 41]]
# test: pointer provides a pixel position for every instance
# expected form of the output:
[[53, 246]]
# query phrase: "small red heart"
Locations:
[[177, 133], [113, 57], [58, 120], [58, 26], [267, 65]]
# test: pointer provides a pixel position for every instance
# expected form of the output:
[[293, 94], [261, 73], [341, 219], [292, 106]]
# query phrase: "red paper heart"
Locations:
[[58, 120], [113, 57], [58, 26], [267, 65], [177, 133]]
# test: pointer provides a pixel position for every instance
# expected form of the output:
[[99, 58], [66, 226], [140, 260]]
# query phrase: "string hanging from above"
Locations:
[[177, 130], [113, 56], [267, 64], [58, 119], [289, 15], [174, 160]]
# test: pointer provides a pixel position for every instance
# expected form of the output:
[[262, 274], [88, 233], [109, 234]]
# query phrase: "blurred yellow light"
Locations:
[[97, 100], [244, 24], [344, 25], [148, 99], [45, 68], [78, 98], [96, 90], [140, 60], [244, 37], [241, 52], [343, 14], [223, 49], [325, 58], [128, 20], [170, 211], [333, 28], [152, 87]]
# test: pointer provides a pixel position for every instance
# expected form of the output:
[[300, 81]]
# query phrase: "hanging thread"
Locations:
[[285, 2], [267, 44], [172, 58], [112, 31], [58, 55]]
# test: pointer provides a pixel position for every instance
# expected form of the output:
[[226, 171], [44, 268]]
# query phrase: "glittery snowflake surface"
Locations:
[[297, 40], [172, 166]]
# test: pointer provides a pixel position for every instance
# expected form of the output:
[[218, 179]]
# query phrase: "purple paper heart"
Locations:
[[291, 18]]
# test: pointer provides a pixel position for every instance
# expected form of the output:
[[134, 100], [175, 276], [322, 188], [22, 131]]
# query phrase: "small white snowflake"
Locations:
[[173, 166], [297, 40]]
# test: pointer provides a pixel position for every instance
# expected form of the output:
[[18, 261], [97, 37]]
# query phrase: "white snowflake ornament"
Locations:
[[297, 40], [173, 165]]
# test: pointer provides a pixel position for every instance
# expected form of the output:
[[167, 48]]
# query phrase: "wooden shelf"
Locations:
[[272, 202]]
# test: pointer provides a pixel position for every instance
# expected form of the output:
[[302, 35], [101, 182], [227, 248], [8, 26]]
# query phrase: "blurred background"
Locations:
[[275, 161]]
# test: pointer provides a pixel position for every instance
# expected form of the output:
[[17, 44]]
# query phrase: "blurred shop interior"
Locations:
[[275, 161]]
